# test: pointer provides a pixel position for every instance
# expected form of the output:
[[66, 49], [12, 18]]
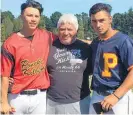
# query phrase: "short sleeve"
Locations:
[[126, 53], [7, 61]]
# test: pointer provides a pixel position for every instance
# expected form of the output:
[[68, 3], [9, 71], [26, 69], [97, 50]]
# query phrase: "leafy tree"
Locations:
[[91, 33], [8, 26], [121, 21], [17, 24], [7, 14], [42, 22], [54, 18], [55, 31], [80, 33], [3, 33], [49, 24], [130, 22], [85, 20], [124, 22], [118, 21]]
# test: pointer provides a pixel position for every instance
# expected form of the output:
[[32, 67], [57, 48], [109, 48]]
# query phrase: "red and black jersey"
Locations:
[[25, 60]]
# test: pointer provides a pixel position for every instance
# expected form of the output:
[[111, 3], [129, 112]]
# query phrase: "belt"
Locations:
[[32, 92]]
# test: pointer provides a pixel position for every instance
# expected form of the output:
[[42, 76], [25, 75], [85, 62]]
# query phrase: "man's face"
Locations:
[[31, 18], [66, 33], [101, 22]]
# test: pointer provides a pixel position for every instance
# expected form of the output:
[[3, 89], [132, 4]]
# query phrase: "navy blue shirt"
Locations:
[[111, 60]]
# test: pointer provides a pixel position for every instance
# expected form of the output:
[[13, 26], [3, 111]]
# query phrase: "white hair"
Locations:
[[68, 18]]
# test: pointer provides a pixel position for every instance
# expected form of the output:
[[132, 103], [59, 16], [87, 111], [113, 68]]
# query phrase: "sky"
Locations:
[[67, 6]]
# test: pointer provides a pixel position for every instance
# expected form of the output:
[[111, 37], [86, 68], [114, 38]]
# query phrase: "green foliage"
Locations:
[[54, 18], [17, 24], [7, 27], [3, 33], [55, 31], [42, 22], [85, 30], [91, 34], [7, 14], [85, 20], [122, 22], [49, 24], [80, 33], [6, 24]]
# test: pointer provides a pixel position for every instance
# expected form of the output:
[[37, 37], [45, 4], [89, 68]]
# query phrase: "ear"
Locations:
[[91, 22], [111, 19]]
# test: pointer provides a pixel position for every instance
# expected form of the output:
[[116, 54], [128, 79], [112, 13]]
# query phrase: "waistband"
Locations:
[[32, 92]]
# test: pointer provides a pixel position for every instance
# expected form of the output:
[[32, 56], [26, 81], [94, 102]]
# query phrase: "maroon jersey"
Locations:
[[25, 61]]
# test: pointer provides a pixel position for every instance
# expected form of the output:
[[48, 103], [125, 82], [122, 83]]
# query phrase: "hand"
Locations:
[[11, 81], [6, 108], [109, 102]]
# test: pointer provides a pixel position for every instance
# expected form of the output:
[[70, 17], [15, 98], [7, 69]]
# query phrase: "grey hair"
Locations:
[[68, 18]]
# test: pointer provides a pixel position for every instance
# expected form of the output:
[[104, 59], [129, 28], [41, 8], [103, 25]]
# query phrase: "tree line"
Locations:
[[121, 21]]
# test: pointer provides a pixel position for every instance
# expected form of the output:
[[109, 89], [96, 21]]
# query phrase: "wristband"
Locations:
[[115, 95]]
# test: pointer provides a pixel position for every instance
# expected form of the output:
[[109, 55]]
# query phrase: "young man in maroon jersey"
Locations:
[[24, 57]]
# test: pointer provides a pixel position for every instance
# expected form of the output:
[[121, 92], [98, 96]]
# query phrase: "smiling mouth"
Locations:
[[32, 23]]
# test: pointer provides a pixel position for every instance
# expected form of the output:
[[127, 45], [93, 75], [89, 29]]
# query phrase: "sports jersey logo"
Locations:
[[33, 68], [110, 62]]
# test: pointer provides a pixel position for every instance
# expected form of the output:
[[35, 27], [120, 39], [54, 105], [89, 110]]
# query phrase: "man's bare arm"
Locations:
[[5, 107], [126, 85], [4, 89], [112, 99]]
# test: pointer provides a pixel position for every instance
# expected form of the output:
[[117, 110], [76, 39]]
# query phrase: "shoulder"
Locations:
[[83, 45], [123, 36], [94, 42], [50, 34], [10, 42], [81, 42], [11, 39], [125, 39]]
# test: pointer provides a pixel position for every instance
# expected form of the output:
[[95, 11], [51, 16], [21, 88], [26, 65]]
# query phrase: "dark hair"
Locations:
[[31, 3], [100, 7]]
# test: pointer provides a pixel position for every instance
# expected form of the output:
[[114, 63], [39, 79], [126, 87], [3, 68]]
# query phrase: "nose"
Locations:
[[33, 18], [66, 32], [98, 24]]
